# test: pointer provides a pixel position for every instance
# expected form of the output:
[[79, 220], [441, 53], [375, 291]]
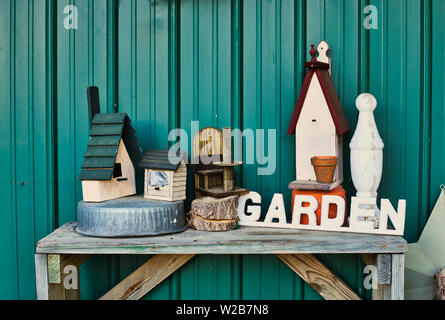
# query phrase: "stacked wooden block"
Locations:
[[214, 214]]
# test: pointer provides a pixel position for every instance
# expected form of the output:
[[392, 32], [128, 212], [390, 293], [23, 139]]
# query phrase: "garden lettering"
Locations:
[[365, 216]]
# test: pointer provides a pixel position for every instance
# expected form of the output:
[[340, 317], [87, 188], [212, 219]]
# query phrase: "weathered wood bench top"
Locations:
[[245, 240]]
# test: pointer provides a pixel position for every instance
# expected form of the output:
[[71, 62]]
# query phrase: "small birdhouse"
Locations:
[[318, 122], [107, 169], [164, 179], [214, 169]]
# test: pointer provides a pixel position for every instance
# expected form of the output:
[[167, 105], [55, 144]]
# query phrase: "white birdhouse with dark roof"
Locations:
[[108, 170], [318, 122]]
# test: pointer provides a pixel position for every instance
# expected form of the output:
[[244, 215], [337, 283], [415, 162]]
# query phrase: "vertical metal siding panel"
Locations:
[[188, 109], [378, 77], [425, 119], [187, 80], [349, 81], [101, 39], [396, 112], [207, 94], [66, 130], [212, 93], [162, 70], [251, 115], [236, 260], [26, 128], [395, 73], [101, 63], [340, 24], [224, 46], [270, 119], [413, 173], [437, 103], [146, 84], [127, 65], [8, 236], [43, 116], [83, 59], [291, 56], [223, 266], [353, 81], [24, 145]]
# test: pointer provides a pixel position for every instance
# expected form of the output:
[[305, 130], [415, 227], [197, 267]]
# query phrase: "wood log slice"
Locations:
[[215, 208], [203, 224], [440, 283]]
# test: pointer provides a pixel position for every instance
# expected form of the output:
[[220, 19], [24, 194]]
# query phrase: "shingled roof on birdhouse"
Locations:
[[107, 130], [158, 159], [321, 70]]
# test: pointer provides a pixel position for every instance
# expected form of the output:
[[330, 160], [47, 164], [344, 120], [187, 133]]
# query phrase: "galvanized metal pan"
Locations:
[[129, 217]]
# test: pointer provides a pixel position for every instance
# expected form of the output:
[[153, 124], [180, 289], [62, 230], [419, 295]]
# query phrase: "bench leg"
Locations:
[[397, 276], [390, 277], [41, 266]]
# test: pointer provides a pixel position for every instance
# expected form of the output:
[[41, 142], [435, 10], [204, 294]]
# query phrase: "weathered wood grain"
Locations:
[[147, 276], [198, 223], [245, 240], [220, 192], [227, 145], [215, 208], [383, 269], [312, 271], [314, 185], [397, 276], [41, 268]]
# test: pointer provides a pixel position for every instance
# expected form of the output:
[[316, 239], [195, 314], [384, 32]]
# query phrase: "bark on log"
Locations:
[[440, 283], [215, 208], [202, 224]]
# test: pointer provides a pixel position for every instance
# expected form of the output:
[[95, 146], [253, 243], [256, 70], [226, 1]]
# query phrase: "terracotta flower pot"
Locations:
[[324, 167]]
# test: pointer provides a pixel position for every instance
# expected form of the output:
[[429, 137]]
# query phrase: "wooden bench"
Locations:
[[65, 247]]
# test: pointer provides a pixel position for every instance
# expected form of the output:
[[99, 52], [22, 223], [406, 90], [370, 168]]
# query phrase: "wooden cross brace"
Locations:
[[159, 267]]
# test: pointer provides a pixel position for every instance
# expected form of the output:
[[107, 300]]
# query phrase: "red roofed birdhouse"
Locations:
[[318, 123]]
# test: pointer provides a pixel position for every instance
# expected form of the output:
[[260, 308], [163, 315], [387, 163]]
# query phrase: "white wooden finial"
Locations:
[[366, 149], [323, 49]]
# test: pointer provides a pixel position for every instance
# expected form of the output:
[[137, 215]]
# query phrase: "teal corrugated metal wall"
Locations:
[[224, 63]]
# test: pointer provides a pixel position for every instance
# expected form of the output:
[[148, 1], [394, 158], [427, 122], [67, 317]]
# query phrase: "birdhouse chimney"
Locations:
[[93, 102]]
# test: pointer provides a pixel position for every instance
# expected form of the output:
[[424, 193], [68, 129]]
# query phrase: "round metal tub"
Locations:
[[130, 216]]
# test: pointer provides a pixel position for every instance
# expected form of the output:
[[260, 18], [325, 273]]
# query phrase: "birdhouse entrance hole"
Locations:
[[117, 172]]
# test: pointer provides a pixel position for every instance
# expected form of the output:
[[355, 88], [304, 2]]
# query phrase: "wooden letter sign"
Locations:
[[365, 216]]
